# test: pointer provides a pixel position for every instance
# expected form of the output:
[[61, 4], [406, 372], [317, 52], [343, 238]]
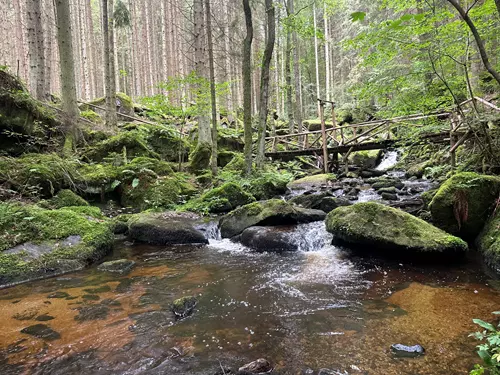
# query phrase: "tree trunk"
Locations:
[[109, 64], [213, 98], [247, 85], [327, 56], [479, 41], [67, 67], [264, 82], [36, 49], [316, 62]]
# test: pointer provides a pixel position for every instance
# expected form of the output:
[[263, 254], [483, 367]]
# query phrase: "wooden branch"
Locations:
[[460, 141], [487, 103]]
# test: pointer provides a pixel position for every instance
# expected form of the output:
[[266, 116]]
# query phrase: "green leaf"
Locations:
[[407, 17], [135, 183], [358, 16], [484, 324], [115, 184]]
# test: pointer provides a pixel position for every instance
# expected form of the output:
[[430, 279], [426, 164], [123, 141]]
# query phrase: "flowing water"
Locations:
[[320, 307]]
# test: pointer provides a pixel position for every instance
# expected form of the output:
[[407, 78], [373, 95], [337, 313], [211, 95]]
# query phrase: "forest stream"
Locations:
[[320, 307]]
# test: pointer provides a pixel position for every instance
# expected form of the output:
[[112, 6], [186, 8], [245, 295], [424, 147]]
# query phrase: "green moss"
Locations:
[[366, 159], [20, 224], [91, 116], [134, 143], [34, 174], [236, 164], [151, 192], [315, 180], [386, 228], [315, 124], [66, 198], [468, 196], [269, 185], [489, 242], [200, 157], [159, 167], [88, 211], [222, 199]]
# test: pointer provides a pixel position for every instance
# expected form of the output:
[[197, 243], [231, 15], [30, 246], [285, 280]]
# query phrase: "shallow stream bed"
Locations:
[[317, 308]]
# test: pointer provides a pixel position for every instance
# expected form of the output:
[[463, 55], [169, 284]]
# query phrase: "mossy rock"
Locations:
[[183, 307], [464, 202], [93, 178], [124, 105], [224, 157], [269, 185], [488, 242], [35, 242], [224, 198], [271, 212], [133, 142], [37, 174], [168, 228], [25, 124], [66, 198], [92, 116], [200, 158], [373, 227], [311, 182], [366, 159], [237, 164], [315, 124], [230, 139], [121, 266], [323, 201]]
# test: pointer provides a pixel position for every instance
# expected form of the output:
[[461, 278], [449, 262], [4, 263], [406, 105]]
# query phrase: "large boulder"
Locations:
[[464, 202], [271, 239], [168, 228], [366, 159], [488, 243], [373, 226], [35, 242], [267, 213]]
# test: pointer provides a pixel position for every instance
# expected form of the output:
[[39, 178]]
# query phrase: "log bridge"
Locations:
[[372, 135]]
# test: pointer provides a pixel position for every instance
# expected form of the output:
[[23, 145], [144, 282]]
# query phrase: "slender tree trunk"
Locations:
[[36, 49], [109, 65], [479, 41], [264, 82], [316, 58], [67, 66], [247, 85], [327, 56], [213, 98], [288, 82]]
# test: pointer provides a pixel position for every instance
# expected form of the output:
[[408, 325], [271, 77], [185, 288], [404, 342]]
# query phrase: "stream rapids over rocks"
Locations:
[[319, 307]]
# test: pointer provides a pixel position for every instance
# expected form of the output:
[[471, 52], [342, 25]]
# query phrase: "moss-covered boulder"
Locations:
[[37, 174], [121, 266], [129, 143], [315, 124], [183, 307], [267, 213], [366, 159], [66, 198], [168, 228], [464, 202], [312, 182], [224, 198], [200, 158], [488, 242], [237, 164], [269, 185], [124, 105], [25, 124], [36, 242], [373, 227]]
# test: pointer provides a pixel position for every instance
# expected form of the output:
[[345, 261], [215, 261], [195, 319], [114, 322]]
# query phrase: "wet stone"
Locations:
[[92, 312], [91, 297], [102, 289], [110, 302], [58, 295], [121, 266], [41, 331], [44, 318], [27, 314], [16, 347], [183, 307], [259, 366], [404, 351], [325, 371]]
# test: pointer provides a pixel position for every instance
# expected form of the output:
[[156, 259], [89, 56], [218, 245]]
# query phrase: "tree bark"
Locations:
[[67, 67], [264, 82], [247, 85], [36, 49], [109, 65], [479, 42], [316, 62], [213, 97]]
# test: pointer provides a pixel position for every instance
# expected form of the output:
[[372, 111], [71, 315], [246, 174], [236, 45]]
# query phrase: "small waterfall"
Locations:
[[311, 237], [212, 231], [390, 159]]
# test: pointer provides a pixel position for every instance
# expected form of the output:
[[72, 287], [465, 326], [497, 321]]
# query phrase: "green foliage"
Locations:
[[91, 116], [489, 349]]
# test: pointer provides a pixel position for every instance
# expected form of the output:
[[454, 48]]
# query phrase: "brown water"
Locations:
[[321, 308]]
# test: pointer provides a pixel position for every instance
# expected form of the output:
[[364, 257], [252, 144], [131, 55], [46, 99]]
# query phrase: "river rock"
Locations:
[[183, 307], [267, 213], [403, 351], [117, 266], [389, 196], [168, 228], [375, 227], [488, 242], [259, 366], [323, 201], [326, 371], [312, 182], [387, 183], [271, 239], [366, 159], [469, 196], [41, 331]]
